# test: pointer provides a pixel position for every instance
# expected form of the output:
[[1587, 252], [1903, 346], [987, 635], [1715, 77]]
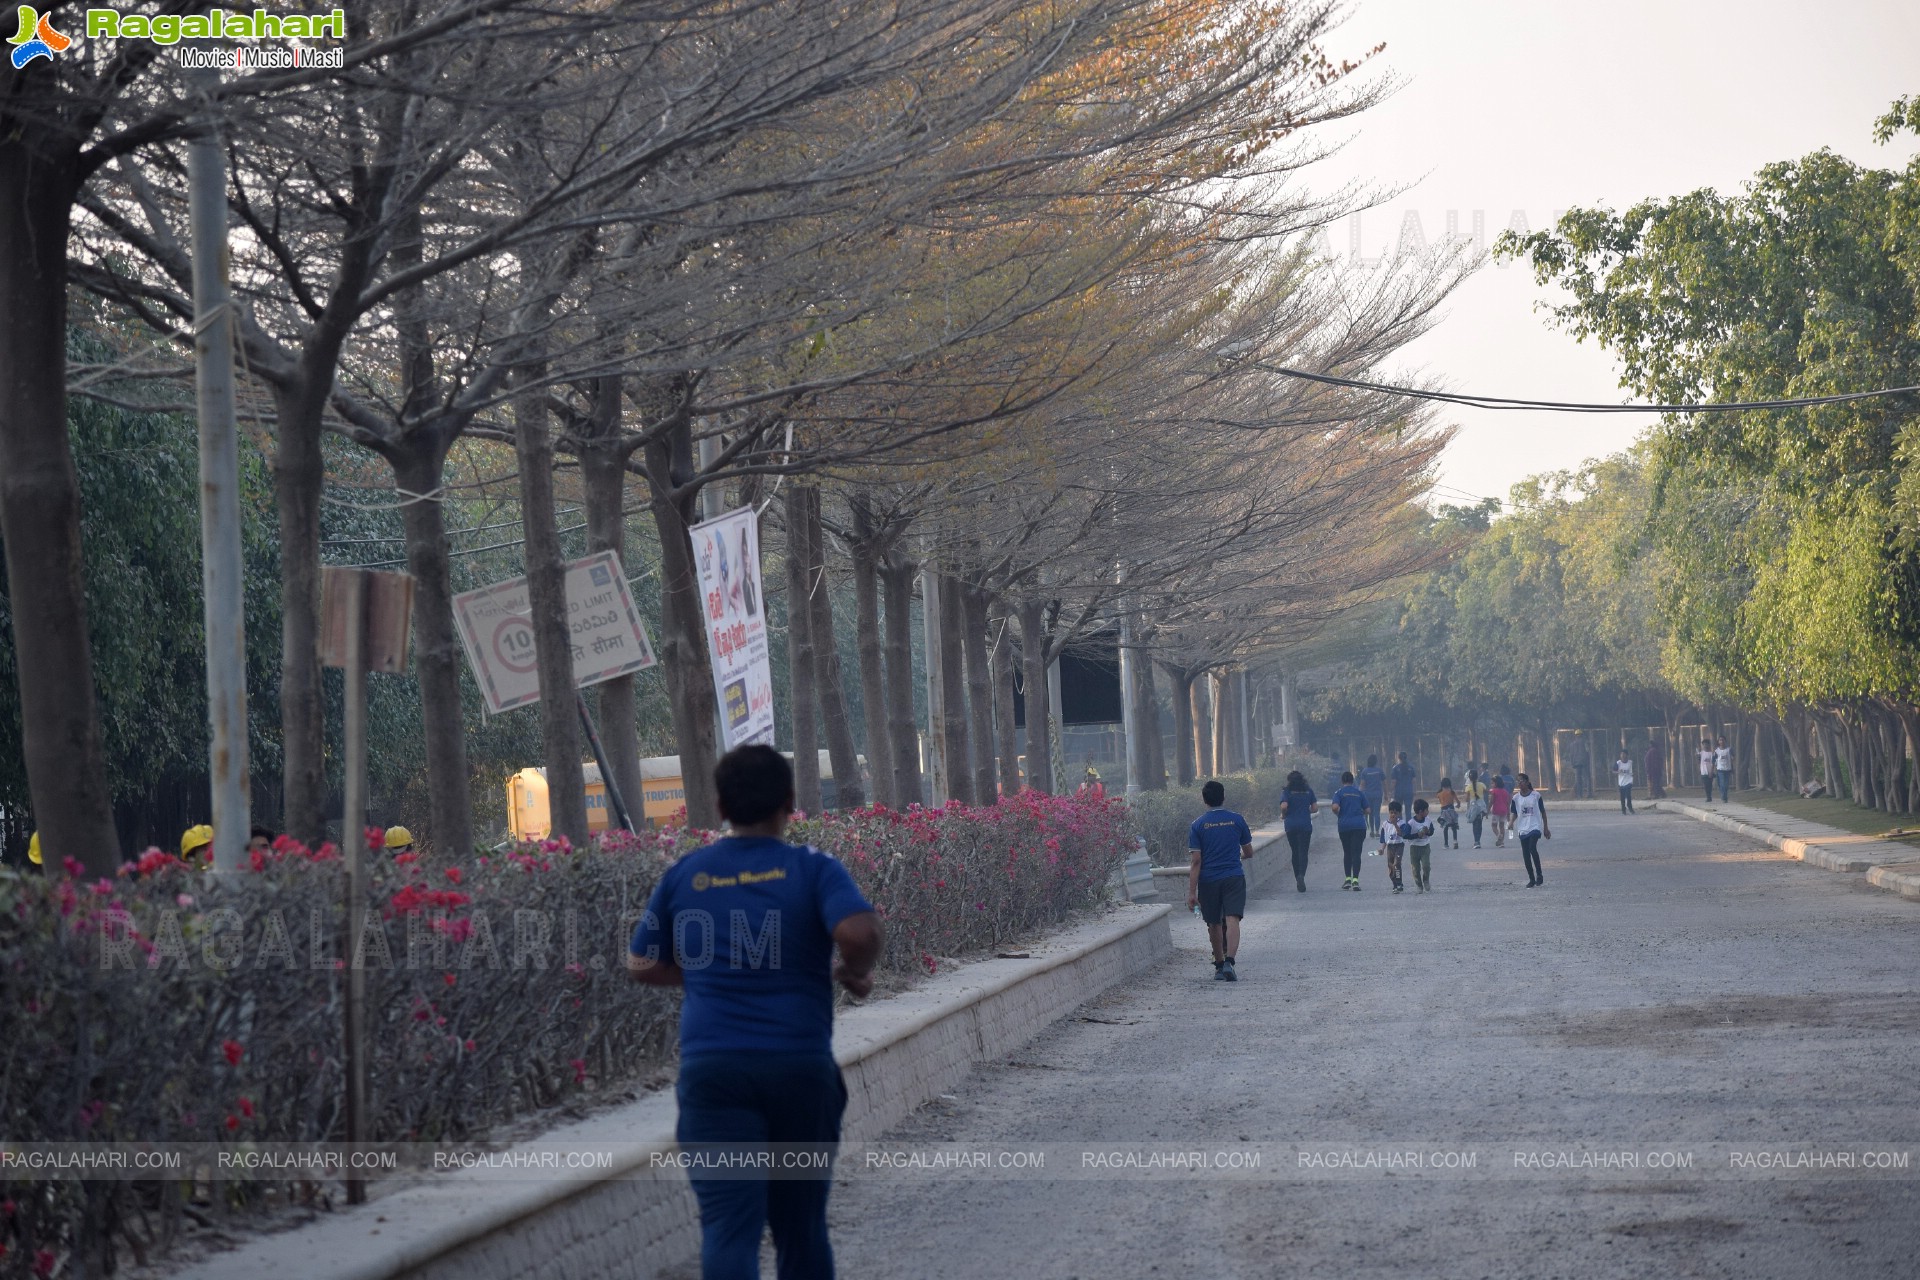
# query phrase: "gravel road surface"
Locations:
[[1619, 1055]]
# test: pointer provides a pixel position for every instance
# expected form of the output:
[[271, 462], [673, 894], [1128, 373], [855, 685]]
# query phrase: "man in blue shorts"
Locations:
[[749, 926], [1373, 783], [1220, 841]]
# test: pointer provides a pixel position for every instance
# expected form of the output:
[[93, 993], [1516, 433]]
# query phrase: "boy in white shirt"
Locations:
[[1706, 767], [1623, 774], [1723, 765], [1419, 833], [1393, 843]]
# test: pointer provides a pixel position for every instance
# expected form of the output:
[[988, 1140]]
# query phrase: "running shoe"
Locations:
[[1230, 975]]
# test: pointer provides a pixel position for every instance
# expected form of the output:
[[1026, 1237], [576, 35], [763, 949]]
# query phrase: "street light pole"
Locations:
[[221, 569]]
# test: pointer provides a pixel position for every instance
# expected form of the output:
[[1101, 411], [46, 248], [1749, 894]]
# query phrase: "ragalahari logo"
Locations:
[[36, 39]]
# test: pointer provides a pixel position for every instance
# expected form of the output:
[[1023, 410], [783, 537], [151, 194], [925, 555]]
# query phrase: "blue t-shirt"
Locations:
[[1404, 775], [1373, 781], [1218, 835], [750, 920], [1299, 804], [1350, 808]]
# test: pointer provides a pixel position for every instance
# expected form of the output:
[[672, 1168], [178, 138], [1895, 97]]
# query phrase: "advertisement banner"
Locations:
[[726, 552], [496, 630]]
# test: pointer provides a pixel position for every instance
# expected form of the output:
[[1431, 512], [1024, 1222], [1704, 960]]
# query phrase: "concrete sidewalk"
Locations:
[[1887, 864]]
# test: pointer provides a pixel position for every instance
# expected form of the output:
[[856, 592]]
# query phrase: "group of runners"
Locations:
[[1220, 841]]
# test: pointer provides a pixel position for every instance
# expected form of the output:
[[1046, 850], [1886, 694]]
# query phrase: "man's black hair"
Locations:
[[1213, 794], [261, 832], [1403, 757], [1373, 761], [755, 782], [1419, 806], [1347, 777]]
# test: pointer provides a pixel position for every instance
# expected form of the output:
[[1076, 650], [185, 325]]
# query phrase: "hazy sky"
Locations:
[[1520, 110]]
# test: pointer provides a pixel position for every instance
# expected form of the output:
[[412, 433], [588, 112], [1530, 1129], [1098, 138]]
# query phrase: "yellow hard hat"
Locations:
[[33, 848], [195, 838], [398, 837]]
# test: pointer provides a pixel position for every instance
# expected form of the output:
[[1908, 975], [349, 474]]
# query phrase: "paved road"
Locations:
[[1671, 989]]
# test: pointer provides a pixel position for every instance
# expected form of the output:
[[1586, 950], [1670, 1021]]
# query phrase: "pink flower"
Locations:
[[467, 1045], [232, 1122], [246, 1107], [454, 874], [579, 1070], [184, 899], [233, 1050]]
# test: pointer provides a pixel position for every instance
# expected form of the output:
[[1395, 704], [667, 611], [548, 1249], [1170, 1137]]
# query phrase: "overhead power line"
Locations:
[[1570, 406]]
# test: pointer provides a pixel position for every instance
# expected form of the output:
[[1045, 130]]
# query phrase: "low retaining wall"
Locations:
[[631, 1220], [1270, 860]]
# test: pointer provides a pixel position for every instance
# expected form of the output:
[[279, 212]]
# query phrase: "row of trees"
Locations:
[[974, 288], [1760, 565]]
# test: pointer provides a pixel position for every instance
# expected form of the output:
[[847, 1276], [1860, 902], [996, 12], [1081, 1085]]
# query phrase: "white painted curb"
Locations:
[[1901, 876]]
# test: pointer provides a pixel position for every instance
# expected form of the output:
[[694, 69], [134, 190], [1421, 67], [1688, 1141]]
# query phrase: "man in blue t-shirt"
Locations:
[[1405, 776], [1373, 781], [749, 925], [1350, 809], [1220, 841]]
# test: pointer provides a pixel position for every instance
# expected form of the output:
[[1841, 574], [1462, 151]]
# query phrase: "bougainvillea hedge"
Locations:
[[175, 1006]]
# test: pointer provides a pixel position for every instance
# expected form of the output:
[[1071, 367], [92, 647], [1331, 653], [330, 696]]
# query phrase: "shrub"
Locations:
[[1164, 816], [173, 1006]]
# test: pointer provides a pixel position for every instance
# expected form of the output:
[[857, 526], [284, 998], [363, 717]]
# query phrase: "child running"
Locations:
[[1449, 818], [1530, 824], [1499, 808], [1419, 833], [1350, 809], [1393, 843]]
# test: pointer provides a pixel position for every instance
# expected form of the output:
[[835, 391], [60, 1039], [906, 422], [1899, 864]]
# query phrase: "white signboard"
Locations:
[[727, 553], [496, 629]]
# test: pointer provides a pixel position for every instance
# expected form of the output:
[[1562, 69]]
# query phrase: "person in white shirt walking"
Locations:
[[1623, 774], [1723, 765], [1706, 767], [1530, 824]]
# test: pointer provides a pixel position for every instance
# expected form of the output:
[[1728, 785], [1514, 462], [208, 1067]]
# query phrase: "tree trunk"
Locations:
[[953, 690], [836, 722], [980, 691], [806, 735], [436, 650], [1006, 733], [1154, 758], [299, 472], [40, 518], [1197, 693], [1221, 691], [1889, 736], [873, 674], [1184, 747], [896, 576], [1033, 663], [1830, 756], [1794, 728], [683, 631], [547, 604], [603, 470]]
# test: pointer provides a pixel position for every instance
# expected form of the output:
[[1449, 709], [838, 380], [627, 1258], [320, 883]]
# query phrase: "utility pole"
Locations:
[[1130, 711], [221, 571]]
